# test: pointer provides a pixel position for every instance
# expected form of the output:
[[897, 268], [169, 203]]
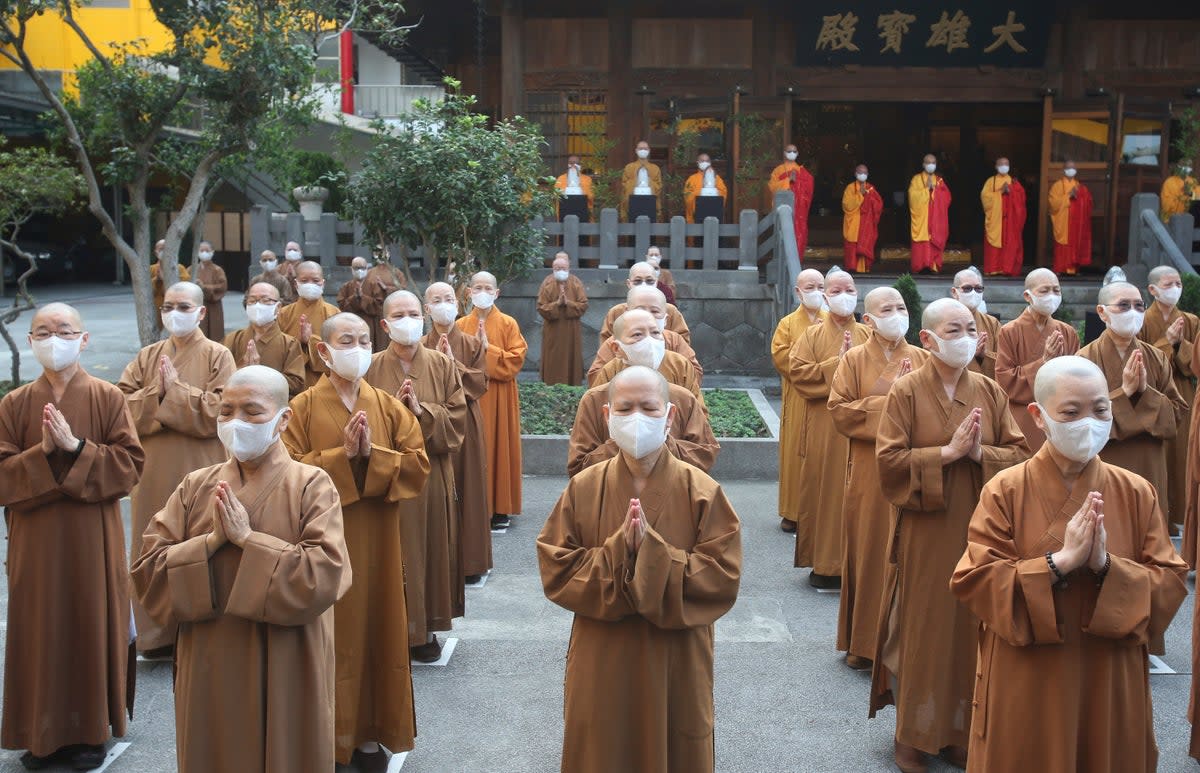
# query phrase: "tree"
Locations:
[[465, 192], [34, 182]]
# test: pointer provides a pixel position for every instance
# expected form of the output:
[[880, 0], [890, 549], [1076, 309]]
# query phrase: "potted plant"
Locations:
[[317, 179]]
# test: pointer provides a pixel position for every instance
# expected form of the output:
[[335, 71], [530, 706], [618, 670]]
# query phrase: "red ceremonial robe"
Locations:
[[1008, 257], [929, 254], [868, 232], [1078, 249], [802, 190]]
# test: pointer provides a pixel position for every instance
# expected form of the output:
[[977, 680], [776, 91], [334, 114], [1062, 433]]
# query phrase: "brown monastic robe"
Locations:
[[178, 430], [501, 406], [825, 453], [674, 343], [639, 675], [925, 661], [1018, 359], [212, 281], [1192, 502], [382, 280], [433, 585], [675, 321], [374, 684], [350, 298], [860, 386], [791, 415], [470, 462], [562, 342], [674, 368], [289, 322], [1154, 332], [254, 667], [985, 359], [1062, 681], [67, 635], [276, 350], [287, 293], [690, 437]]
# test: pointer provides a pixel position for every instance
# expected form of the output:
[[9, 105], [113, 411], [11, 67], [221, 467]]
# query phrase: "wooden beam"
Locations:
[[1117, 127], [1043, 205], [620, 82], [512, 59]]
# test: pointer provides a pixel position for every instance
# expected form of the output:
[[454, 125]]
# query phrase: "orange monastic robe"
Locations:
[[289, 322], [791, 417], [562, 340], [501, 406], [639, 675], [674, 368], [860, 386], [925, 662], [824, 453], [212, 281], [1019, 356], [629, 177], [1174, 198], [1062, 681], [985, 357], [585, 185], [691, 191], [178, 430], [675, 321], [276, 350], [374, 685], [67, 633], [254, 667], [674, 343]]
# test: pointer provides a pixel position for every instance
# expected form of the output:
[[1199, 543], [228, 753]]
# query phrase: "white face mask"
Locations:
[[955, 352], [1169, 295], [637, 434], [790, 155], [1069, 172], [970, 299], [861, 177], [1002, 169], [931, 168], [246, 440], [360, 273], [648, 352], [842, 304], [261, 313], [405, 330], [654, 260], [661, 322], [350, 364], [1185, 169], [704, 165], [1078, 440], [444, 313], [483, 299], [643, 153], [269, 265], [56, 353], [1045, 304], [205, 256], [180, 324], [309, 291], [892, 327], [293, 255], [561, 276], [1126, 323], [812, 299]]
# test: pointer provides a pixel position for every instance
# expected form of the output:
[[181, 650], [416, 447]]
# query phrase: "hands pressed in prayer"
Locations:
[[634, 527], [235, 521], [562, 295], [252, 357], [1133, 376], [1175, 332], [847, 343], [444, 347], [1005, 189], [966, 440], [167, 373], [356, 438], [305, 329], [884, 384], [216, 536], [981, 345], [481, 335], [407, 396], [1054, 345], [1084, 538], [56, 432]]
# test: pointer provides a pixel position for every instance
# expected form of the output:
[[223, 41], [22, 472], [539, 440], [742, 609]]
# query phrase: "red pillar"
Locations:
[[346, 57]]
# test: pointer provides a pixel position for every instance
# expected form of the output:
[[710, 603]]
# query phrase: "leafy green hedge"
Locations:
[[7, 386], [550, 410]]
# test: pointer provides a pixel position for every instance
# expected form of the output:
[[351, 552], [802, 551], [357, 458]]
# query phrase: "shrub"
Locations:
[[907, 287]]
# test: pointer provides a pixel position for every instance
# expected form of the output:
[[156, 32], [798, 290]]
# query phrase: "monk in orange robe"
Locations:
[[642, 274], [643, 178], [308, 314], [247, 558], [653, 300], [860, 386], [1070, 571], [574, 182], [68, 454], [646, 551], [824, 453], [792, 176], [1070, 204], [638, 341], [505, 347], [944, 432], [929, 208], [562, 301], [1178, 191], [968, 290], [1003, 199], [703, 182], [262, 342], [1029, 342], [212, 281], [861, 208]]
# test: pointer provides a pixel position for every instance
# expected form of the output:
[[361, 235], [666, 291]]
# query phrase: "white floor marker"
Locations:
[[397, 762], [1157, 666], [447, 651], [482, 580], [116, 751]]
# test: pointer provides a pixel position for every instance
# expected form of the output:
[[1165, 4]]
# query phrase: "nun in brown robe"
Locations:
[[212, 281], [561, 304]]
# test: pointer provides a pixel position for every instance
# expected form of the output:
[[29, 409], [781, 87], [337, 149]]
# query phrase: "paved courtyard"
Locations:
[[784, 700]]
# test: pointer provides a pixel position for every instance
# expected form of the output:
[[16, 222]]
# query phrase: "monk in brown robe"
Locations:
[[643, 274], [1071, 573], [247, 559], [269, 264], [689, 437], [944, 432], [809, 294], [262, 342], [1173, 332], [968, 290], [653, 300], [562, 301], [1028, 342], [212, 281], [470, 462], [637, 340], [666, 280], [68, 453], [505, 346], [427, 383], [156, 280], [646, 551], [350, 298], [860, 386], [812, 361], [307, 315], [173, 389], [382, 280], [293, 256], [372, 448]]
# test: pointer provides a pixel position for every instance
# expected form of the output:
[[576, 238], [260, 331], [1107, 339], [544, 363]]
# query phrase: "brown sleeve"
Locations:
[[192, 409], [110, 468], [444, 424]]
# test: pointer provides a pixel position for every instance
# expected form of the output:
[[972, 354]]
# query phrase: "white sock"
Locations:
[[369, 747], [429, 638]]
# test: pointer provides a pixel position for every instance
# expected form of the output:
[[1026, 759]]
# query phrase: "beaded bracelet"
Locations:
[[1062, 579], [1100, 575]]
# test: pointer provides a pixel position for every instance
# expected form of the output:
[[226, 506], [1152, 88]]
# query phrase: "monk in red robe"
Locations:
[[929, 208], [1071, 217], [861, 208], [1003, 200], [792, 176]]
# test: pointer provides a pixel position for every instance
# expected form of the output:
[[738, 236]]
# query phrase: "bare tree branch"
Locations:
[[68, 15]]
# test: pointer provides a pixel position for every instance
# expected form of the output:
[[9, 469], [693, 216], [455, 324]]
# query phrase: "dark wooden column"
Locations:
[[763, 60], [620, 83], [512, 59]]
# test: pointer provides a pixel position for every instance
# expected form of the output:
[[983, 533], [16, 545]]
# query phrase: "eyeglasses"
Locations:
[[186, 308], [46, 335], [1124, 306], [971, 289]]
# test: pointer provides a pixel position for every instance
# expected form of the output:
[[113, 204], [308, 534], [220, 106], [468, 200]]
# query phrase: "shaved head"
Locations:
[[310, 265], [1115, 291], [54, 314], [637, 377], [438, 290], [270, 381], [642, 293], [970, 274], [358, 262], [631, 317], [942, 310], [190, 290], [484, 276], [344, 321], [1040, 276], [1057, 372], [261, 291], [880, 296], [1159, 273], [839, 281], [401, 300], [561, 262], [810, 279]]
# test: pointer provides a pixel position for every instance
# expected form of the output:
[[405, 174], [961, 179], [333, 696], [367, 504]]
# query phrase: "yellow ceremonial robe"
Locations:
[[1176, 196], [629, 177], [691, 191]]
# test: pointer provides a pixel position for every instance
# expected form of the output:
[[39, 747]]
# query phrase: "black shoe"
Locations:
[[159, 653], [375, 762], [473, 579], [85, 757], [501, 521], [429, 652], [31, 761], [825, 581], [788, 526]]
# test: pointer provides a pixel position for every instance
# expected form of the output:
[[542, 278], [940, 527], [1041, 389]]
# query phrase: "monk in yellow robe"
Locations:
[[308, 314], [269, 273], [212, 281], [860, 386], [638, 341], [1029, 342], [1070, 205], [642, 275], [427, 383], [862, 207], [1178, 191], [574, 182], [646, 551], [505, 346], [968, 290], [156, 281], [653, 300], [1003, 199], [1070, 571], [372, 448], [641, 178], [247, 558], [173, 389], [68, 453], [929, 212], [809, 294], [824, 453], [703, 182], [562, 301], [470, 461], [262, 342], [944, 432]]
